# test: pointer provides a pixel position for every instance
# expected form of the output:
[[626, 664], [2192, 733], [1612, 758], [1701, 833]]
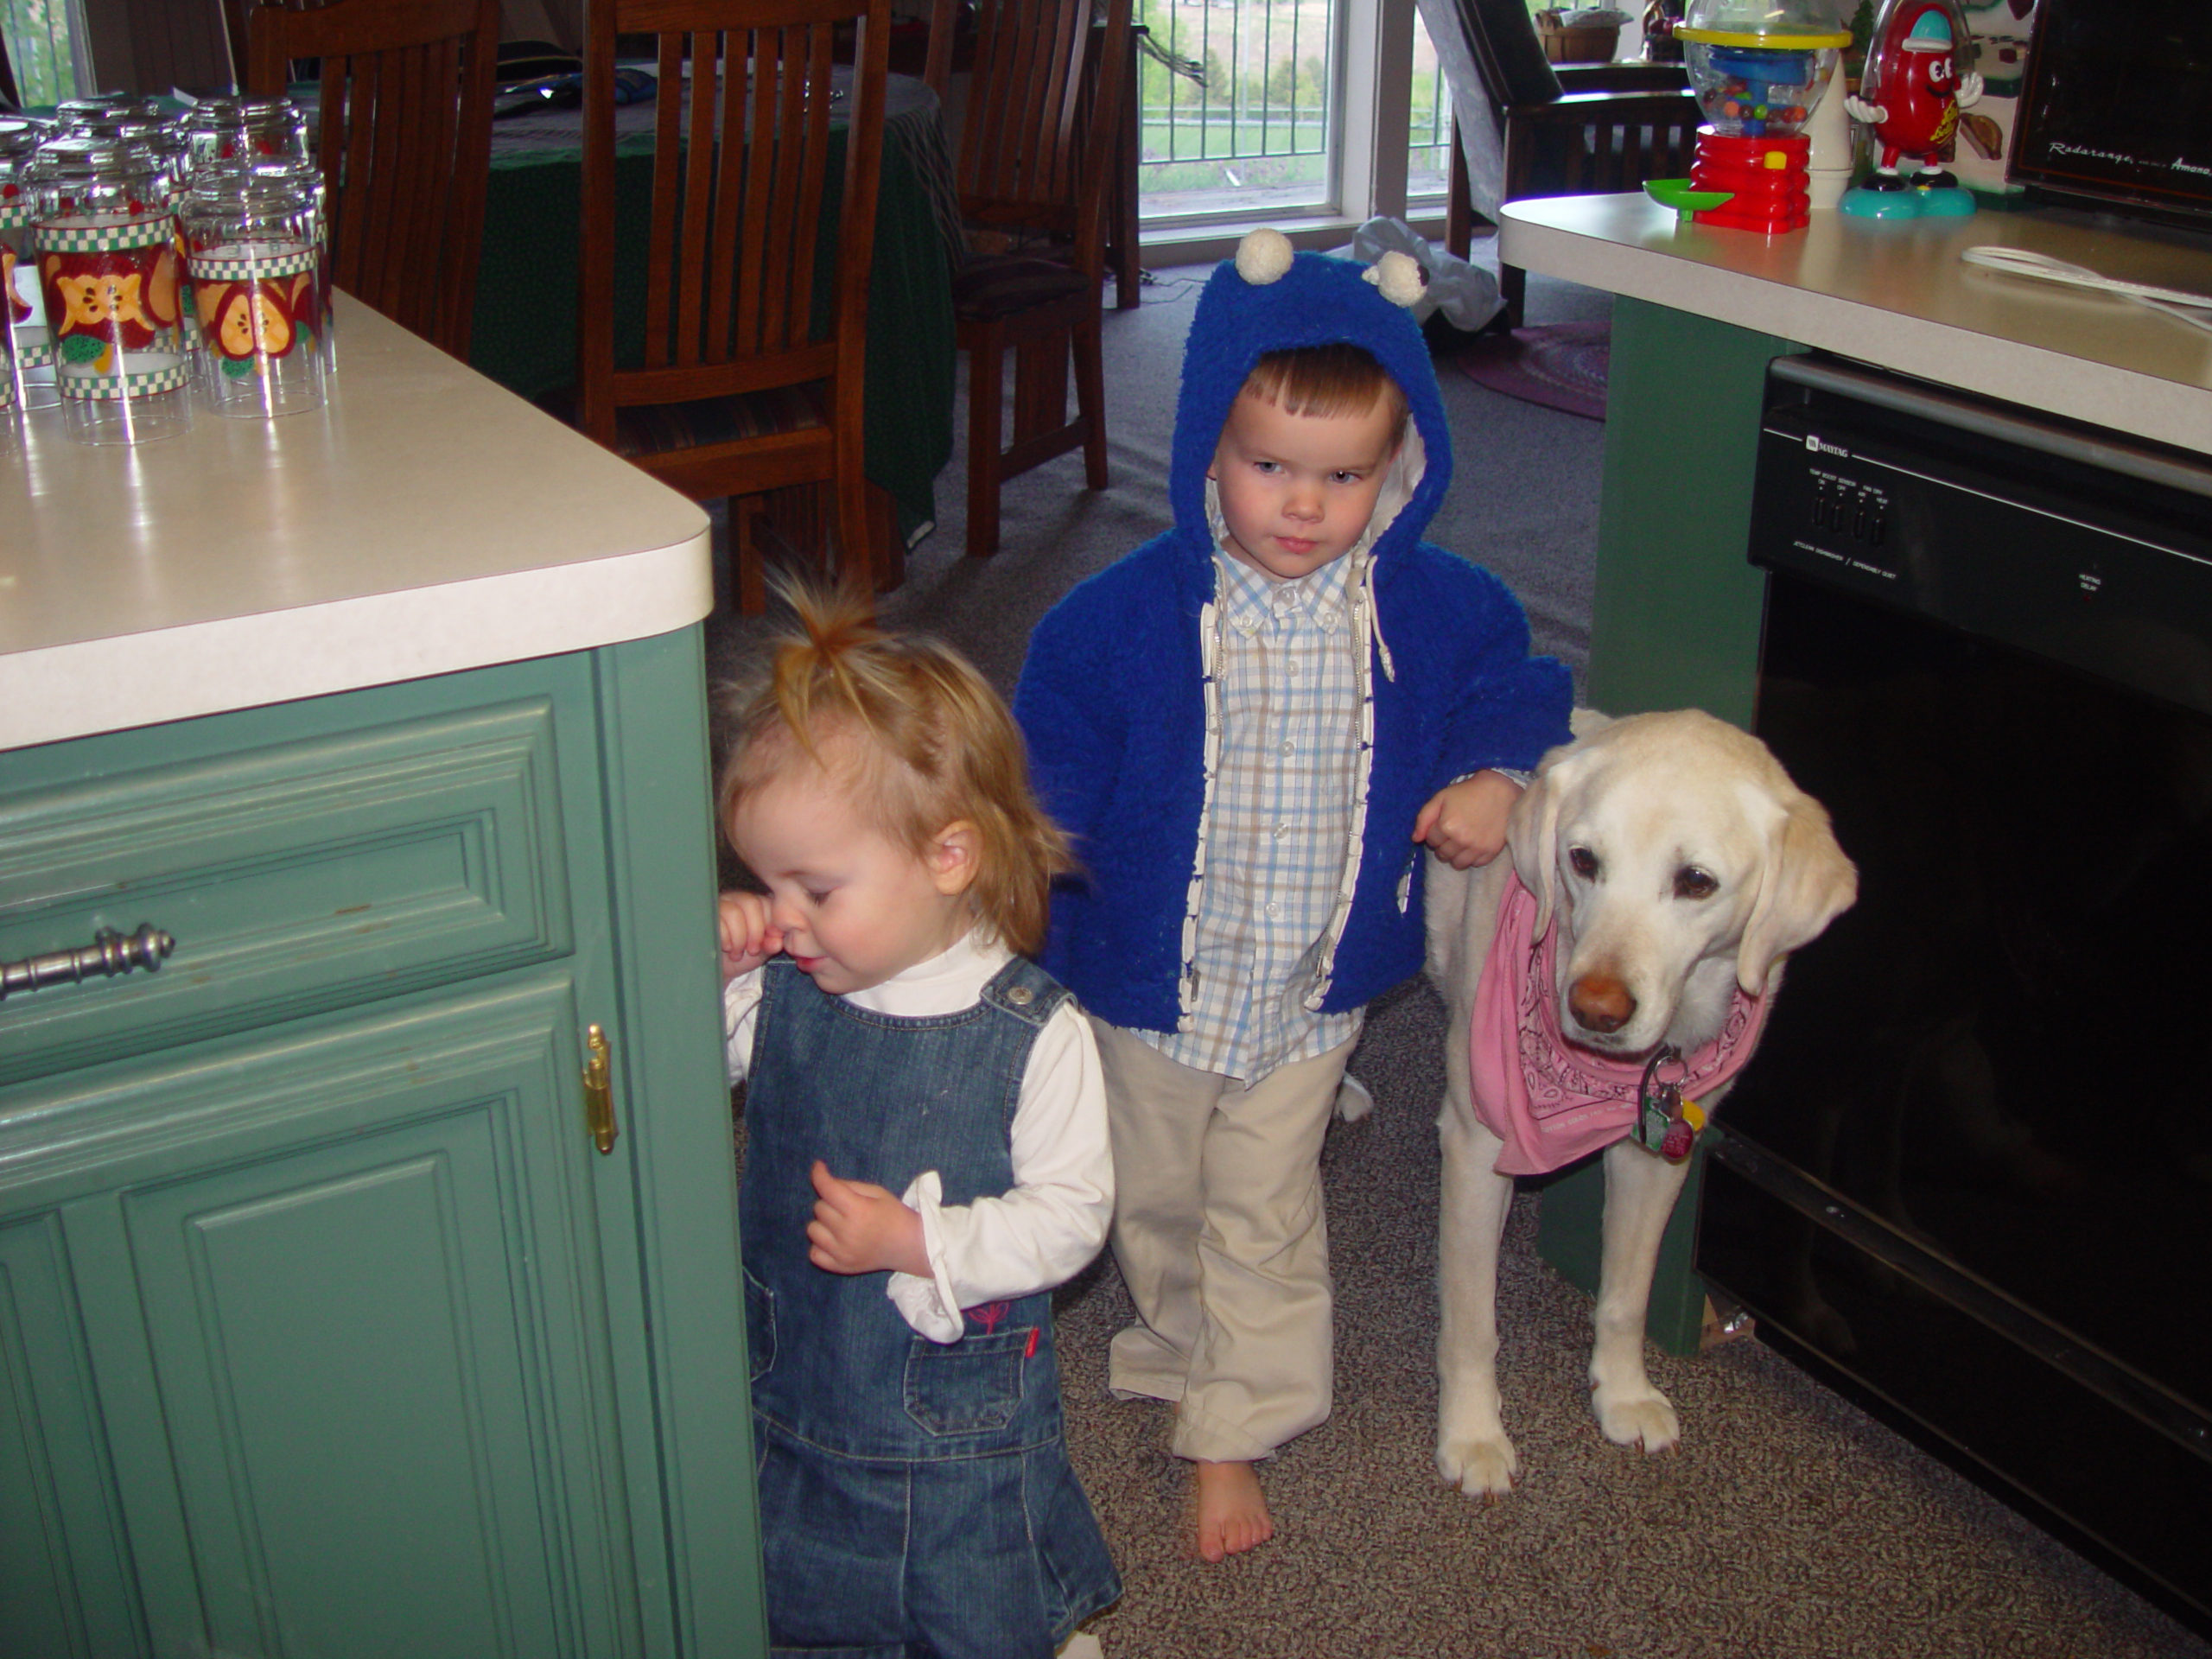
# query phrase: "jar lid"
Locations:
[[110, 113], [228, 174], [1765, 25], [92, 102], [1777, 40], [230, 189], [81, 160], [226, 112], [138, 125], [20, 138]]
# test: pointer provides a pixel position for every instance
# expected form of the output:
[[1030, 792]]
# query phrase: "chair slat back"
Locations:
[[404, 138], [758, 157], [1030, 152], [1584, 143]]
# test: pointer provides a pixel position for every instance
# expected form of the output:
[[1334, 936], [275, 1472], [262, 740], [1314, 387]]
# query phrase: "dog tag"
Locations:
[[1682, 1132], [1658, 1112]]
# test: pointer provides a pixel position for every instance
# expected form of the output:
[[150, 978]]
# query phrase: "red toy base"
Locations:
[[1797, 217], [1765, 177]]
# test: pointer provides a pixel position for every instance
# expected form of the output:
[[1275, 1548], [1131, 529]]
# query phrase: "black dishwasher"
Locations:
[[1969, 1175]]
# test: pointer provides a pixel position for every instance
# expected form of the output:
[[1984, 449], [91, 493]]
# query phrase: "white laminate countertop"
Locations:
[[1895, 295], [424, 522]]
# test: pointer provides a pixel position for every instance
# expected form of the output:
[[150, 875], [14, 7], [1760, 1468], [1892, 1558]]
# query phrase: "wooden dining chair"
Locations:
[[1034, 164], [234, 16], [404, 136], [761, 231], [1568, 129]]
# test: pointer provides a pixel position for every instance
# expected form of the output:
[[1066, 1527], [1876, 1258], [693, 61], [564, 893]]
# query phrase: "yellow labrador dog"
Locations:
[[1681, 866]]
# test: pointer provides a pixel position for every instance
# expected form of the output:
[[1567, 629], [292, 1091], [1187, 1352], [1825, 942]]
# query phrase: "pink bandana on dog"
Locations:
[[1550, 1103]]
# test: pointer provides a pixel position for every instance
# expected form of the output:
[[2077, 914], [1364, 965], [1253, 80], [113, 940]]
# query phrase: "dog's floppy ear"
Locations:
[[1532, 829], [1807, 884]]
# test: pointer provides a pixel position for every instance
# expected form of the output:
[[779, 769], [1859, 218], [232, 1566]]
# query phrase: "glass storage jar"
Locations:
[[307, 177], [250, 237], [113, 280], [28, 368]]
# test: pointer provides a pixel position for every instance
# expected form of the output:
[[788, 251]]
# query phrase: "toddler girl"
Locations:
[[926, 1153]]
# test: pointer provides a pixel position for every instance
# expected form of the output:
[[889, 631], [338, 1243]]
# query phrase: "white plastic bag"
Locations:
[[1465, 294]]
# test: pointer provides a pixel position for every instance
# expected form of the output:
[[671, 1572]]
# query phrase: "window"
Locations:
[[1283, 112], [44, 40], [1429, 136]]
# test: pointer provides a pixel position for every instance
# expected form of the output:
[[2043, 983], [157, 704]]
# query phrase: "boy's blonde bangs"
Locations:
[[1328, 380], [913, 731]]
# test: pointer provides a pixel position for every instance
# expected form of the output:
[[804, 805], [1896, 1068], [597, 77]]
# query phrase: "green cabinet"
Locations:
[[326, 1326], [1675, 624]]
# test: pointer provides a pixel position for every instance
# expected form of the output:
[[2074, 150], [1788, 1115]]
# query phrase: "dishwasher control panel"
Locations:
[[2083, 546], [1848, 508]]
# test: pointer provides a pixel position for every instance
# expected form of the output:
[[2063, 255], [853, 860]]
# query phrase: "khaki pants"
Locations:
[[1219, 1232]]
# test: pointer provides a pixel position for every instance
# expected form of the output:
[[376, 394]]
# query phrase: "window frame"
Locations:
[[1373, 94]]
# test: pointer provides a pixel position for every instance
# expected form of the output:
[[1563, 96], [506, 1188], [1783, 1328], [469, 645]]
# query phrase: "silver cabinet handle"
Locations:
[[109, 955]]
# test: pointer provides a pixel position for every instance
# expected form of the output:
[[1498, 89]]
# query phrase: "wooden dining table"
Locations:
[[524, 333]]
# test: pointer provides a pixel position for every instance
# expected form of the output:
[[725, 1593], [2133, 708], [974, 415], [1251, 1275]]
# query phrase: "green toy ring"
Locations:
[[1677, 194]]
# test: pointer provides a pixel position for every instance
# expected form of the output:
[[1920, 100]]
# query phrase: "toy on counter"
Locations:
[[1660, 17], [1916, 81], [1757, 68], [1685, 201]]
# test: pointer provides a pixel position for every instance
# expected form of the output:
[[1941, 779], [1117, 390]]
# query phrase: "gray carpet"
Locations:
[[1788, 1523]]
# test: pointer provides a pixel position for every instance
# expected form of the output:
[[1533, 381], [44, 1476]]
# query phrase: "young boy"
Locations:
[[1250, 727]]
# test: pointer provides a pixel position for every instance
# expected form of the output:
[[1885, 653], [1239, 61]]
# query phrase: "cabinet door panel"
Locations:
[[64, 1583], [294, 878], [356, 1268], [372, 1377]]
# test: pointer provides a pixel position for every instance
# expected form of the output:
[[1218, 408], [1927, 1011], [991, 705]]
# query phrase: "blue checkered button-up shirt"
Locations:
[[1279, 823]]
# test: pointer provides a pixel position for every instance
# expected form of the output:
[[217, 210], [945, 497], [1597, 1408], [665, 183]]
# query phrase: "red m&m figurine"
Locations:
[[1911, 97]]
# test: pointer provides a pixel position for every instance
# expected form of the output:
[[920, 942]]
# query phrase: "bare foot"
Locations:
[[1232, 1515]]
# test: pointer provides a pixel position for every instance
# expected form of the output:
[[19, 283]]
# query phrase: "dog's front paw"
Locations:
[[1638, 1418], [1480, 1468]]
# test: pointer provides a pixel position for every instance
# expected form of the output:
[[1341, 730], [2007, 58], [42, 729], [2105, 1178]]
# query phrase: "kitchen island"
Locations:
[[368, 1267]]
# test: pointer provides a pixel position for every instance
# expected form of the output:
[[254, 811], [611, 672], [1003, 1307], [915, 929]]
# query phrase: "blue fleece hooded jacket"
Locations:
[[1113, 701]]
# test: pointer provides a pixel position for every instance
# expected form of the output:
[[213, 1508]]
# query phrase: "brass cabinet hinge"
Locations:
[[599, 1091]]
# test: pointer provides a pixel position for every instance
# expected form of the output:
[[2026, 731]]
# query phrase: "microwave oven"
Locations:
[[2115, 110]]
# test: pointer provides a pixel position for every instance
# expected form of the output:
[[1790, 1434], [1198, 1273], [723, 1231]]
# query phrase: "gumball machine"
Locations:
[[1757, 68]]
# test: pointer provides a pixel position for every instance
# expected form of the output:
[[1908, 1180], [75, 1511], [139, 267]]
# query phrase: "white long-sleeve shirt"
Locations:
[[1044, 1230]]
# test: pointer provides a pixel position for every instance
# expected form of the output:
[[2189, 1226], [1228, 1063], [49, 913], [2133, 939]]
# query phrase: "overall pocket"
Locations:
[[970, 1387], [759, 1326]]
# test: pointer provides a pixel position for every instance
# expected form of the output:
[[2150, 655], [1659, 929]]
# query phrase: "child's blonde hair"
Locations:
[[1324, 380], [923, 741]]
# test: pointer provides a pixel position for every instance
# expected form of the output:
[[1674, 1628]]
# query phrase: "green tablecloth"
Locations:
[[524, 333]]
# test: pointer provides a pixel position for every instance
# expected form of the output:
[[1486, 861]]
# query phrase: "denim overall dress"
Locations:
[[915, 1497]]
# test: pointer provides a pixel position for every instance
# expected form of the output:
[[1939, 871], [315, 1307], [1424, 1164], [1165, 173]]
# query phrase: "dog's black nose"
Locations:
[[1601, 1003]]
